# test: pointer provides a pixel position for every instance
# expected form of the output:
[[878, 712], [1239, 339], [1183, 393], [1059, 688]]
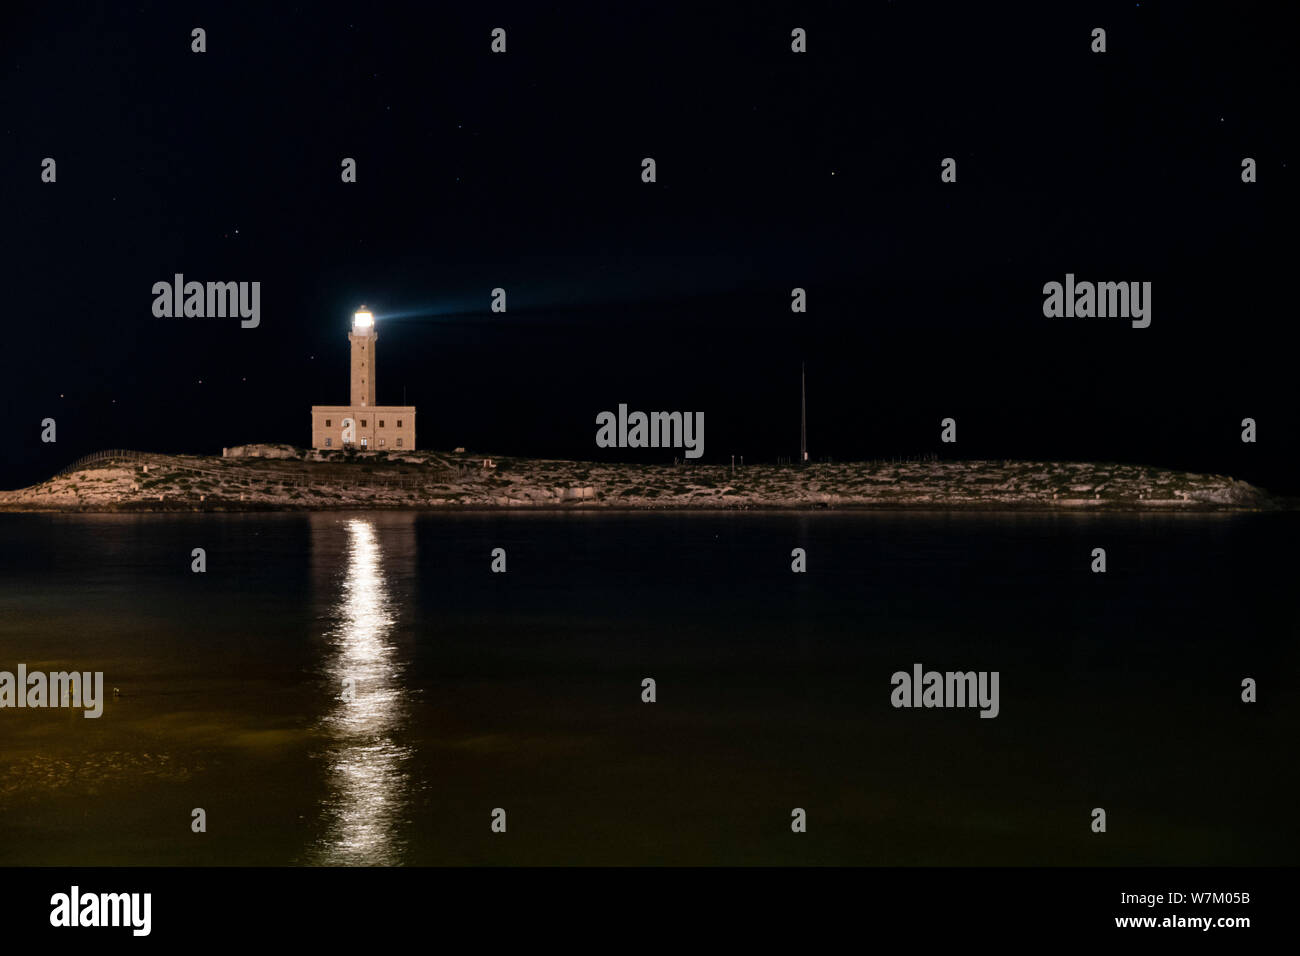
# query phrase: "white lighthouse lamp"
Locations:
[[363, 321]]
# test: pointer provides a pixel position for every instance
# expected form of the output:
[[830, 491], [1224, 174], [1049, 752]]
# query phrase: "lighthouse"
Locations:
[[363, 338], [363, 424]]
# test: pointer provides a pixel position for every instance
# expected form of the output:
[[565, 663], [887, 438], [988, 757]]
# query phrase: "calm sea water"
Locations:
[[522, 690]]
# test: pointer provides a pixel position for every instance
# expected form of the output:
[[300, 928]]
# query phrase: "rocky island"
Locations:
[[285, 478]]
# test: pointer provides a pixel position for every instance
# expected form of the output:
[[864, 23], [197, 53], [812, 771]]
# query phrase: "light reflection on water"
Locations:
[[538, 689], [367, 774]]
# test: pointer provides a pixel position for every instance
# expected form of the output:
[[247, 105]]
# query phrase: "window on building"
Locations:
[[381, 443], [328, 423], [328, 442], [381, 423], [399, 443], [363, 423], [365, 442], [399, 423]]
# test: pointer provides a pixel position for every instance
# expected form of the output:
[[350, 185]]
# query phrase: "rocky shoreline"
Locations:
[[283, 478]]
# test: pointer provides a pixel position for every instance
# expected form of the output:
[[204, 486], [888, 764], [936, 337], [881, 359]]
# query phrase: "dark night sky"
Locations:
[[774, 170]]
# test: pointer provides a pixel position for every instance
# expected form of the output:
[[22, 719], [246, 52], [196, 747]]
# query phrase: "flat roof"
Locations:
[[364, 408]]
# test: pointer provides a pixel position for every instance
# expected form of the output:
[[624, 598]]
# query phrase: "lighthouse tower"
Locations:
[[362, 424], [363, 338]]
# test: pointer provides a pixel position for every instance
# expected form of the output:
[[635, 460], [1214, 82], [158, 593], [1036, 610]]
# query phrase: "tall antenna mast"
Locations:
[[803, 414]]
